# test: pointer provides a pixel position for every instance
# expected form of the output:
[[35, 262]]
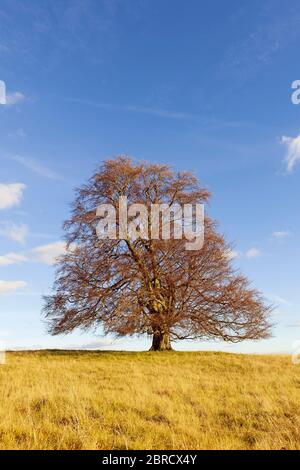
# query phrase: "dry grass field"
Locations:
[[172, 400]]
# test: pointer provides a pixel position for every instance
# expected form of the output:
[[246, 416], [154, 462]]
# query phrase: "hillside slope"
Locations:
[[172, 400]]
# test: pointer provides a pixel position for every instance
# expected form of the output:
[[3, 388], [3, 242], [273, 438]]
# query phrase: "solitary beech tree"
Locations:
[[145, 286]]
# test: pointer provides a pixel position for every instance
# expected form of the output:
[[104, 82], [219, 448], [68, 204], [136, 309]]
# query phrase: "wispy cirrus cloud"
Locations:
[[18, 133], [102, 343], [36, 167], [294, 325], [209, 123], [277, 299], [260, 46], [44, 254], [11, 194], [163, 113], [292, 156], [14, 232], [12, 258], [48, 254], [280, 235], [15, 98], [7, 287], [253, 253]]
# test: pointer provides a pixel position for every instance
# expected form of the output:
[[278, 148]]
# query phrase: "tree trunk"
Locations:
[[161, 342]]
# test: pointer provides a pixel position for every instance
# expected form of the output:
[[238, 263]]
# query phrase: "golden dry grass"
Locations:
[[115, 400]]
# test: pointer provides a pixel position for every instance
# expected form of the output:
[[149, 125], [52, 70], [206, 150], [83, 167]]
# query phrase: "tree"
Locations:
[[150, 286]]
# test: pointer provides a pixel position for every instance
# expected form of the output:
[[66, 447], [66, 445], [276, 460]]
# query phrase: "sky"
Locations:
[[202, 86]]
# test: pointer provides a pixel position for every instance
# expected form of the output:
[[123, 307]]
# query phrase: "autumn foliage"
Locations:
[[145, 286]]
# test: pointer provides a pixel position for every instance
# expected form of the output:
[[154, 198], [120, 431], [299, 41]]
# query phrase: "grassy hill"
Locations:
[[172, 400]]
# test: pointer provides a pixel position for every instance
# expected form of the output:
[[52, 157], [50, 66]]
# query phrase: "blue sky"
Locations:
[[204, 86]]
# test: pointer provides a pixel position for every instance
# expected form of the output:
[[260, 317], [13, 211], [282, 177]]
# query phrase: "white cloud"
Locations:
[[94, 345], [10, 286], [15, 98], [2, 92], [36, 167], [232, 254], [253, 253], [12, 258], [292, 156], [45, 254], [281, 234], [11, 194], [48, 254], [15, 232]]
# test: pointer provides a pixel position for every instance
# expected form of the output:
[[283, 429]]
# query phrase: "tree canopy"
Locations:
[[150, 286]]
